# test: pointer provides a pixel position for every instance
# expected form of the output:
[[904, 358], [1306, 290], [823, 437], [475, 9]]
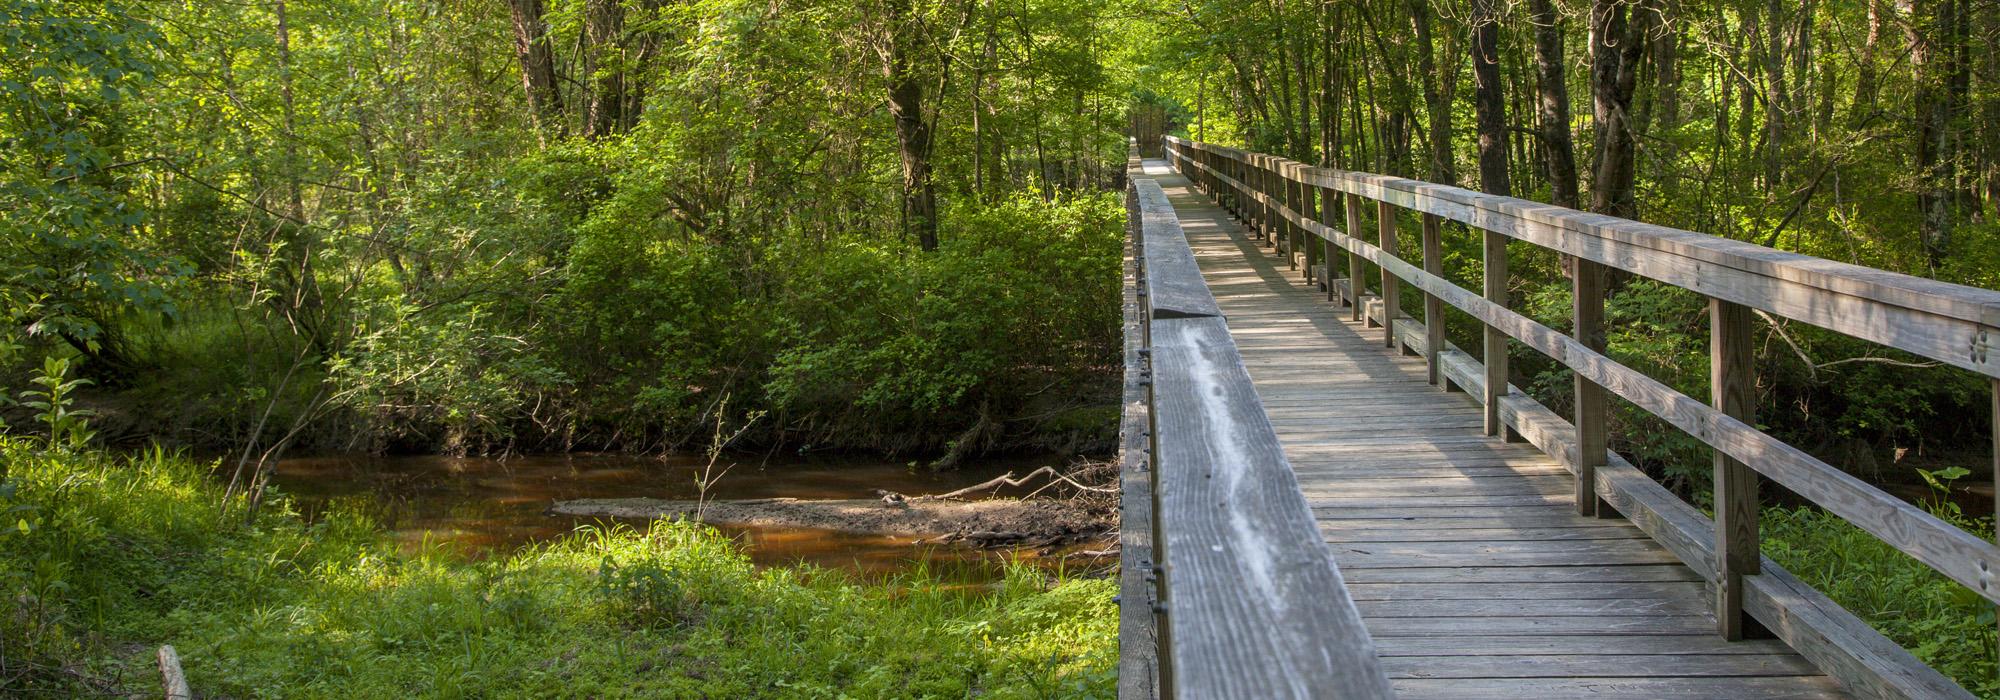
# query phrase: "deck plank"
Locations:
[[1464, 553]]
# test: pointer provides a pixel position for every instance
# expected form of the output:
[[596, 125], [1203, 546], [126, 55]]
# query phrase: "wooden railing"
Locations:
[[1292, 205], [1226, 589]]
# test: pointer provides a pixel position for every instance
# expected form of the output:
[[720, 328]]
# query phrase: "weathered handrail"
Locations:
[[1245, 600], [1948, 323]]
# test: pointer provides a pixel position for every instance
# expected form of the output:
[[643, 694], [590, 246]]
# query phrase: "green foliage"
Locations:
[[127, 553], [69, 239], [1948, 626], [68, 428]]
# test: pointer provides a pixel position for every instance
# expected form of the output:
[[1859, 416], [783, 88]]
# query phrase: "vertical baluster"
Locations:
[[1433, 306], [1356, 273], [1592, 412], [1731, 387], [1329, 208], [1495, 357], [1392, 288]]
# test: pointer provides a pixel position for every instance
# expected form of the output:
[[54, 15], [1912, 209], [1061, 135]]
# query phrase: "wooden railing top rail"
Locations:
[[1251, 602], [1950, 323]]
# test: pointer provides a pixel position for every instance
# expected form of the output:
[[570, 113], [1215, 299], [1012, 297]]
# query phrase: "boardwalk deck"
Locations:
[[1464, 554]]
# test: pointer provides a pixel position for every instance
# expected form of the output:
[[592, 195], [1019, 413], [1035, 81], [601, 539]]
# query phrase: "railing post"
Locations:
[[1329, 208], [1433, 306], [1308, 210], [1261, 197], [1284, 183], [1592, 412], [1392, 289], [1731, 387], [1274, 225], [1295, 191], [1495, 357], [1357, 282]]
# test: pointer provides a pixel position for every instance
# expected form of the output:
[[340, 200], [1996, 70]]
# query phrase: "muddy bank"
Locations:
[[995, 522]]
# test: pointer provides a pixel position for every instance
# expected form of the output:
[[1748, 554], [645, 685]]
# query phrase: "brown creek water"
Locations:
[[487, 506]]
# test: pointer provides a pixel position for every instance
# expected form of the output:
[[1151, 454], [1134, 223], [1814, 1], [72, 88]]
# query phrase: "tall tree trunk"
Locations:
[[1667, 62], [1932, 108], [538, 68], [1615, 52], [1552, 107], [1437, 109], [1777, 99], [913, 131], [1866, 84], [603, 25], [1488, 102]]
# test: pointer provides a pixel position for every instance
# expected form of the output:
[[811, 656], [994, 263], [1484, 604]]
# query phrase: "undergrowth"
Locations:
[[1946, 625], [104, 557]]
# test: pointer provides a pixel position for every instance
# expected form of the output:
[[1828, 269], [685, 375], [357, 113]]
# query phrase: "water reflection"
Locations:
[[485, 505]]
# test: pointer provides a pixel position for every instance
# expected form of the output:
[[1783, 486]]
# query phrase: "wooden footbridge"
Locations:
[[1324, 498]]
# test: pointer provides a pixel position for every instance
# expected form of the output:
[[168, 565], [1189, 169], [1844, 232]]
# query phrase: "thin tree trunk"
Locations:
[[1443, 167], [603, 25], [1552, 107], [913, 131], [538, 68], [1615, 53], [1489, 105]]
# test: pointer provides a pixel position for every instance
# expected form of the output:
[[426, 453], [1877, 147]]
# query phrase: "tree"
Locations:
[[1552, 104], [1616, 48], [1489, 99], [533, 49]]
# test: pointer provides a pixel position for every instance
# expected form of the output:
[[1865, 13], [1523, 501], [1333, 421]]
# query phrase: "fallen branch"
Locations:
[[1008, 479]]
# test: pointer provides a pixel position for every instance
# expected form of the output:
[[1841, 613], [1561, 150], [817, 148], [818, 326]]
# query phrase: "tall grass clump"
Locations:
[[104, 557]]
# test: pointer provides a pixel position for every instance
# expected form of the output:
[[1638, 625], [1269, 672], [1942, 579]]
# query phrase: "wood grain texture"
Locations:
[[1732, 390], [1591, 413], [1254, 604]]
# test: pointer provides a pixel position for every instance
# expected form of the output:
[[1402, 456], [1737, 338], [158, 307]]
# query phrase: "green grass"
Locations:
[[103, 558], [1945, 624]]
